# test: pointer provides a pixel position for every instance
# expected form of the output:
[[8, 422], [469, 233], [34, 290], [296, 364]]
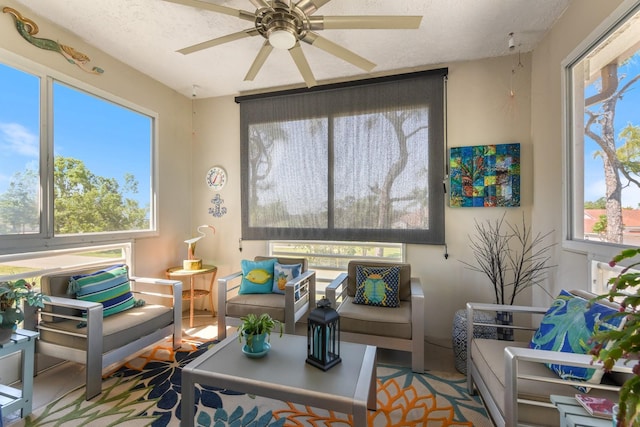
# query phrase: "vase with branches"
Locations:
[[512, 258]]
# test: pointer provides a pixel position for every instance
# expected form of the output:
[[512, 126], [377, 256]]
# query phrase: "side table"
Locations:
[[191, 294], [12, 399], [572, 414]]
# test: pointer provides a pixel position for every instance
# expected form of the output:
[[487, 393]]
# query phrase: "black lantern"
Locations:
[[323, 336]]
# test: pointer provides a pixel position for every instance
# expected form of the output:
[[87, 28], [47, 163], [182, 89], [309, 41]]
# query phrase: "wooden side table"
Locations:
[[12, 399], [191, 294], [572, 414]]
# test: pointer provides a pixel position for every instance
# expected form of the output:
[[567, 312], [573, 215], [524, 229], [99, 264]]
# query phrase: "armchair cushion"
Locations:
[[377, 286], [117, 330], [241, 305], [365, 319], [257, 276], [567, 326], [110, 286], [282, 273]]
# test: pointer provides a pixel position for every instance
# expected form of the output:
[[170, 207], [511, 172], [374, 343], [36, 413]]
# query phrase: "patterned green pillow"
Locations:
[[567, 326], [377, 286], [110, 286]]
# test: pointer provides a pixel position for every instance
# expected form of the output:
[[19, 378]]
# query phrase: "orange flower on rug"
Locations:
[[147, 391], [396, 406]]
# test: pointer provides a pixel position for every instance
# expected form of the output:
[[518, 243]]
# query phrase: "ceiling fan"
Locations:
[[284, 24]]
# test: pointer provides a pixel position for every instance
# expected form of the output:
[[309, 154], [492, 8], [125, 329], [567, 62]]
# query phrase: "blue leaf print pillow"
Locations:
[[567, 326]]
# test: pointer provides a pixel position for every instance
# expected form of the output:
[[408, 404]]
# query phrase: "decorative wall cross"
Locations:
[[217, 210]]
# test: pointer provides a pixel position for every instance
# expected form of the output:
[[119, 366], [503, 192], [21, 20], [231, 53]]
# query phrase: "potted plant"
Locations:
[[611, 345], [12, 295], [256, 331]]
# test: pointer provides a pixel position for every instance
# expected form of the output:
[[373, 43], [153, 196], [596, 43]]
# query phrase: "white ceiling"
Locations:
[[147, 33]]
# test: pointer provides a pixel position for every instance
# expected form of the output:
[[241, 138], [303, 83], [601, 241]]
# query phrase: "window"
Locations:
[[359, 162], [19, 152], [93, 162], [603, 99], [35, 264], [329, 259]]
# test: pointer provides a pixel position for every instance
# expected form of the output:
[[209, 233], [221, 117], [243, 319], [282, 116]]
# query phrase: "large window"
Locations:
[[603, 92], [75, 164], [362, 162]]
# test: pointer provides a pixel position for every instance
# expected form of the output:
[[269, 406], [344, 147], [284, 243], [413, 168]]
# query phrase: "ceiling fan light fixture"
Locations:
[[282, 38]]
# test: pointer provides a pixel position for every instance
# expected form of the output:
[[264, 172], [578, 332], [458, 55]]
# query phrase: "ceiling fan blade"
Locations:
[[220, 40], [259, 61], [260, 4], [334, 49], [364, 22], [303, 65], [199, 4], [310, 6]]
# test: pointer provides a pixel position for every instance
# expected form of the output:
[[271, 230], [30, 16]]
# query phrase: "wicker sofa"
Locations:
[[513, 380]]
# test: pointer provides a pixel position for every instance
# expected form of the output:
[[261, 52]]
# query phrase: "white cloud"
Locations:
[[15, 138], [596, 189]]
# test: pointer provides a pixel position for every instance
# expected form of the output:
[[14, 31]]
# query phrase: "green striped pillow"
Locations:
[[110, 287]]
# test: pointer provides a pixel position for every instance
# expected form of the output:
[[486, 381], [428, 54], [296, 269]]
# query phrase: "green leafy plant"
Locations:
[[252, 325], [612, 345], [11, 296]]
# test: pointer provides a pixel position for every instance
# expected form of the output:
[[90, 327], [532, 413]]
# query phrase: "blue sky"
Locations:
[[627, 111], [109, 139]]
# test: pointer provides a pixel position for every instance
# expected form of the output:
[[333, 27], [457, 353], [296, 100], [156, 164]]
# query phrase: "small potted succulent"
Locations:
[[612, 344], [12, 294], [256, 331]]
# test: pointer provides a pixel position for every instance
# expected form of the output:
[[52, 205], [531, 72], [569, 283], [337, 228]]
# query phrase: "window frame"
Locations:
[[45, 238], [437, 154], [573, 167]]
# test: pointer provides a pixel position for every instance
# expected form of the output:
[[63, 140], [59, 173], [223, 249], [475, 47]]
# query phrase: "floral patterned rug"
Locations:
[[146, 391]]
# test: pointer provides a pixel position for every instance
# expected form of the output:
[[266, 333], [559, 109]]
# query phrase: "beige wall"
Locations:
[[152, 255], [480, 111], [572, 28]]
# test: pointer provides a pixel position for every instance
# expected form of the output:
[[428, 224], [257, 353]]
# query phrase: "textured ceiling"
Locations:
[[147, 33]]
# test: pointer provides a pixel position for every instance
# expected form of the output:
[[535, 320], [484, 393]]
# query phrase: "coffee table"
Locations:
[[283, 374]]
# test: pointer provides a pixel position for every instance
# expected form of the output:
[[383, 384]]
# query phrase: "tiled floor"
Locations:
[[58, 380]]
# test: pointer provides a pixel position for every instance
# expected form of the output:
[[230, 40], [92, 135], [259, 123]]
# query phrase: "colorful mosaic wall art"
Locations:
[[485, 176]]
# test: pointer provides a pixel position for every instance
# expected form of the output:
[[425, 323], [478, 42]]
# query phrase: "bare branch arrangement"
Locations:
[[510, 256]]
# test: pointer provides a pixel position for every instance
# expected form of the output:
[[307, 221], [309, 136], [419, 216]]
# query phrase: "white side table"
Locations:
[[12, 399], [572, 414]]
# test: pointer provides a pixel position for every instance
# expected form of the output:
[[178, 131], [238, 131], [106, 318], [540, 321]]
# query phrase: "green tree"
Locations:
[[598, 204], [19, 211], [620, 163], [85, 202], [600, 226]]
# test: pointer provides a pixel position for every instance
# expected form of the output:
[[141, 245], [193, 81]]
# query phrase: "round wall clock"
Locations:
[[216, 178]]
